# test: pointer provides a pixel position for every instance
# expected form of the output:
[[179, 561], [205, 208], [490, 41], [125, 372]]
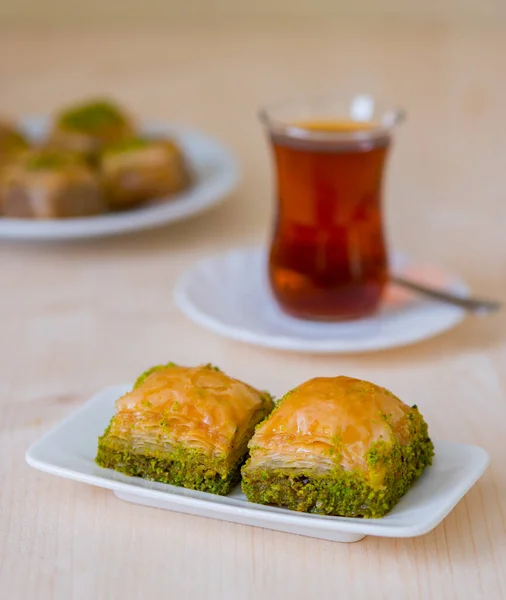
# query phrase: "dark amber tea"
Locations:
[[328, 259]]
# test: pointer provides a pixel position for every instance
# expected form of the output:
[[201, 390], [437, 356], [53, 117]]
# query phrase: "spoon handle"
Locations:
[[476, 305]]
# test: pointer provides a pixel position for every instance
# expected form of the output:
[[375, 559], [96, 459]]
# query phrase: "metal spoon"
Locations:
[[478, 306]]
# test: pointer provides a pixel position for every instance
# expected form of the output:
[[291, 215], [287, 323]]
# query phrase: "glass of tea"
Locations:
[[328, 257]]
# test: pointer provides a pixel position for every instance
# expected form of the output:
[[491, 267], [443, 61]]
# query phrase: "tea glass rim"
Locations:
[[362, 104]]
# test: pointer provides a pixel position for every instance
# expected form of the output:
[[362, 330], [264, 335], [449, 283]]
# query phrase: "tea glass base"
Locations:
[[350, 301], [367, 307], [326, 318]]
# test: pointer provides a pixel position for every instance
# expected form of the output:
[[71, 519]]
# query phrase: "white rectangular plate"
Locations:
[[70, 448]]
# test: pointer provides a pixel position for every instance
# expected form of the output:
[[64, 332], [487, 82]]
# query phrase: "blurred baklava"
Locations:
[[136, 170], [12, 142], [46, 184], [86, 127]]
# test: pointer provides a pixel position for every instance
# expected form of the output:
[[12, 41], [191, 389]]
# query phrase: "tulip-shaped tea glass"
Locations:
[[328, 257]]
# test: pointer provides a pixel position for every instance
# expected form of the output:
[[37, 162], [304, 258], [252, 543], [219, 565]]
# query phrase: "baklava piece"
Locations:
[[186, 426], [50, 185], [137, 170], [337, 446], [12, 142], [88, 126]]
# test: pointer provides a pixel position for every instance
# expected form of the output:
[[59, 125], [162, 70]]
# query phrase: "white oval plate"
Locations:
[[216, 173], [230, 295], [69, 451]]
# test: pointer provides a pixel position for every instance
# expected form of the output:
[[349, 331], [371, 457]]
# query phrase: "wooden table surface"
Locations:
[[76, 317]]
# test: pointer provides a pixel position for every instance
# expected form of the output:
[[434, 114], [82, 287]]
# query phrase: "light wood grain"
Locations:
[[80, 316]]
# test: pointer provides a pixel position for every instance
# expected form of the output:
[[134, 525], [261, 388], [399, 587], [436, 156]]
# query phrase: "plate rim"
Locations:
[[296, 344], [227, 505], [180, 207]]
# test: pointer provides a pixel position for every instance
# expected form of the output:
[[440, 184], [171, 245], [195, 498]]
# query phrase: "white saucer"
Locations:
[[215, 171], [70, 448], [230, 295]]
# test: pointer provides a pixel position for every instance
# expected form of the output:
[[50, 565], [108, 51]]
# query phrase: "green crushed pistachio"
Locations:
[[386, 418], [189, 469], [92, 116], [126, 145], [142, 378], [51, 160], [372, 457]]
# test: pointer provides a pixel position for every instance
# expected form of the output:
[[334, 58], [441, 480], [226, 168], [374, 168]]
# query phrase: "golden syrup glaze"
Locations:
[[327, 419], [199, 407]]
